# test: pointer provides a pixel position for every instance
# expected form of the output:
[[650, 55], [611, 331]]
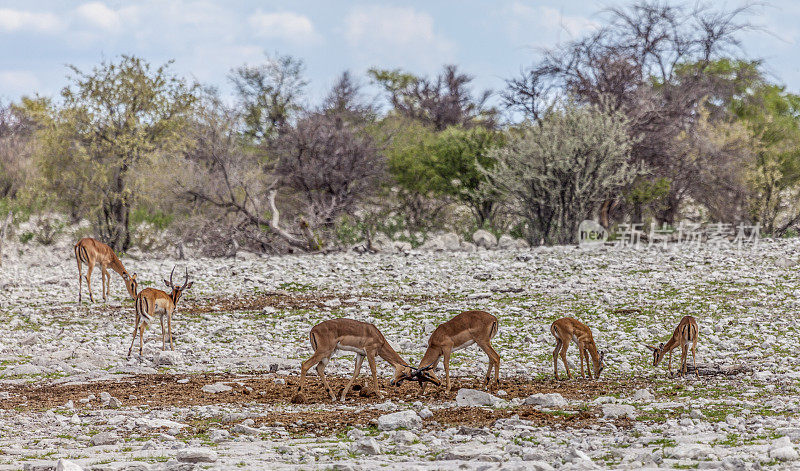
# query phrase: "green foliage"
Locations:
[[159, 219], [459, 159], [559, 171], [269, 94], [99, 148]]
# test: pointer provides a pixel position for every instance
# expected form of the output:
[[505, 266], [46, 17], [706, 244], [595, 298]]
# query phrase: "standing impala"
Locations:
[[567, 330], [686, 333], [92, 252], [478, 327], [353, 336], [151, 300]]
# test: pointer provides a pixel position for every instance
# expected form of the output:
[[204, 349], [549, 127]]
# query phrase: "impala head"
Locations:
[[409, 373], [131, 284], [178, 290], [601, 363], [658, 353]]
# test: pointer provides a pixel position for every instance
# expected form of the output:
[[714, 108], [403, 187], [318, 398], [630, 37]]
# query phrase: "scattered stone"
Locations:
[[616, 411], [104, 438], [365, 446], [196, 455], [66, 465], [30, 340], [425, 413], [473, 397], [216, 388], [245, 429], [484, 238], [407, 419], [168, 357], [643, 395], [550, 400]]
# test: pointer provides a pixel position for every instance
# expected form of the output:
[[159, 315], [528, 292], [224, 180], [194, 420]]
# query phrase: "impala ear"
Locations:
[[651, 347], [661, 346], [133, 277], [189, 285]]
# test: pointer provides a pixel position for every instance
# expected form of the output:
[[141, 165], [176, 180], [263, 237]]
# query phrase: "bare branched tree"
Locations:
[[446, 100], [328, 159], [650, 61]]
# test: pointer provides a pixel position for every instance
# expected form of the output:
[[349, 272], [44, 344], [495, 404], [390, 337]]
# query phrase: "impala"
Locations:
[[353, 336], [93, 252], [567, 330], [686, 333], [478, 327], [151, 300]]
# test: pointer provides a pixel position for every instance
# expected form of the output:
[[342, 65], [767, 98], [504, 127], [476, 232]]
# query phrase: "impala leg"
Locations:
[[163, 340], [141, 339], [446, 353], [89, 268], [670, 363], [356, 371], [321, 372], [564, 358], [684, 359], [580, 354], [555, 357], [103, 275], [374, 369], [694, 359], [80, 274], [588, 363], [135, 329], [494, 361], [315, 359], [169, 331]]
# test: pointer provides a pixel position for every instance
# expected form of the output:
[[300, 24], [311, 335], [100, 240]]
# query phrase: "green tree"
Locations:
[[269, 94], [458, 158], [559, 171], [102, 142]]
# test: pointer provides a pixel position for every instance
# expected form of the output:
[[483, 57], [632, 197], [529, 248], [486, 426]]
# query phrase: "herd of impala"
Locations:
[[465, 329]]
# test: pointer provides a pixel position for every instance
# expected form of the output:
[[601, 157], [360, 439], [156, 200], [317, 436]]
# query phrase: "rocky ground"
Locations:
[[70, 397]]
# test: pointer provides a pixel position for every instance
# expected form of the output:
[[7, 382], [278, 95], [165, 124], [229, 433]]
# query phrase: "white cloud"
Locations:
[[529, 22], [99, 15], [283, 25], [397, 34], [18, 82], [18, 20]]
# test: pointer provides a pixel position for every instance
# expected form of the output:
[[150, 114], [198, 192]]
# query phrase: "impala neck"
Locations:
[[387, 353], [593, 353], [671, 343], [116, 264]]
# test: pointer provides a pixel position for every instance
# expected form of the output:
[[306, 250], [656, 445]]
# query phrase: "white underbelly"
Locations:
[[348, 348], [575, 339], [464, 345]]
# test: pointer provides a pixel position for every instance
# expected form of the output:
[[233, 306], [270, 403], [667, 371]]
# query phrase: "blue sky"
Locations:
[[491, 40]]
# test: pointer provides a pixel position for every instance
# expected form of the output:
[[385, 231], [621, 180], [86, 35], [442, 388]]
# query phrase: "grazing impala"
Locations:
[[353, 336], [151, 300], [93, 252], [478, 327], [567, 330], [686, 333]]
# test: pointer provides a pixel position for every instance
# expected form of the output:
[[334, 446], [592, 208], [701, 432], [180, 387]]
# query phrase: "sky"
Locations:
[[489, 39]]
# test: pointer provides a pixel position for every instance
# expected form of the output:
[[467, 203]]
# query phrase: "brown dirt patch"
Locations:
[[162, 391]]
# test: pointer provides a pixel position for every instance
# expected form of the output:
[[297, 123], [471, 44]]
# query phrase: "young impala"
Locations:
[[151, 300], [567, 330], [93, 252], [478, 327], [686, 333], [353, 336]]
